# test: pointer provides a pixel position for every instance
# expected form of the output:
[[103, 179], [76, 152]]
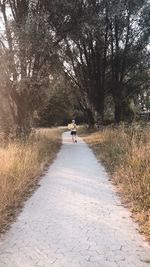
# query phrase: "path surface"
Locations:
[[74, 219]]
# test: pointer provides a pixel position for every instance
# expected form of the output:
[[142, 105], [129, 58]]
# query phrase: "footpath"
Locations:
[[74, 219]]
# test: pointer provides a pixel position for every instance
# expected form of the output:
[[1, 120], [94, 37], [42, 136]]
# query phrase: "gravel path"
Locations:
[[74, 219]]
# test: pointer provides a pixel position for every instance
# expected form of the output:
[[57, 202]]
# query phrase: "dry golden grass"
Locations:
[[125, 151], [21, 163]]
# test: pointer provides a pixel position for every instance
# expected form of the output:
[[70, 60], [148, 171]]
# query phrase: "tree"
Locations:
[[28, 58], [105, 52], [128, 42]]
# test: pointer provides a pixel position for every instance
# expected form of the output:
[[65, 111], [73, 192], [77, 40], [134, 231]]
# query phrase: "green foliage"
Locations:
[[57, 111]]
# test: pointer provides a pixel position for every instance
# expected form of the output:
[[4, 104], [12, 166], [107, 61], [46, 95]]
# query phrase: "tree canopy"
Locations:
[[65, 58]]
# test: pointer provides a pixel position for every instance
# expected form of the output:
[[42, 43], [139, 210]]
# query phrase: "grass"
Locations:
[[21, 164], [125, 151]]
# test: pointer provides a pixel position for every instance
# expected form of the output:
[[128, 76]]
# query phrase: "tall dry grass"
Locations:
[[125, 151], [21, 163]]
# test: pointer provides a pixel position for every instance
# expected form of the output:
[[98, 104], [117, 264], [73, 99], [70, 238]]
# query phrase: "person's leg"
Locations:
[[75, 138], [72, 135]]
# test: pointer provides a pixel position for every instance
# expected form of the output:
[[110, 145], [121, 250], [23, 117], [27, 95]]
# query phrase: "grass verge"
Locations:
[[21, 164], [125, 152]]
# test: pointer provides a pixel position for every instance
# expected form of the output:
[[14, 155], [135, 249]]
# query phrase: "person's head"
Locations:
[[73, 121]]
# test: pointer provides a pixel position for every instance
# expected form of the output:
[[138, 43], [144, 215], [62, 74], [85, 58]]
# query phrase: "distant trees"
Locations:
[[59, 106]]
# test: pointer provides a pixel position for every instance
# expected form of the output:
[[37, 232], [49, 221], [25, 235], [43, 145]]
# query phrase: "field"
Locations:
[[21, 164], [125, 152]]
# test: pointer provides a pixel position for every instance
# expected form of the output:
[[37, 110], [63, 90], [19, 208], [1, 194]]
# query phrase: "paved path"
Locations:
[[74, 219]]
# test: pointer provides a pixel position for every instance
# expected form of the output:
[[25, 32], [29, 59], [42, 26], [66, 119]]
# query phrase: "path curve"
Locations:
[[74, 219]]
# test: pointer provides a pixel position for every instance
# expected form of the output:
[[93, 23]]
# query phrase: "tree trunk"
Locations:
[[123, 110], [118, 111], [90, 118]]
